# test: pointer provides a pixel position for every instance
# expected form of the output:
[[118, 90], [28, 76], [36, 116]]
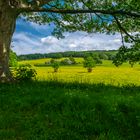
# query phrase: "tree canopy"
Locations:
[[108, 16], [105, 16]]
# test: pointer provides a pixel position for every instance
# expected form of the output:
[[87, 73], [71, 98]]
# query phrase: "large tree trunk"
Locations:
[[7, 26]]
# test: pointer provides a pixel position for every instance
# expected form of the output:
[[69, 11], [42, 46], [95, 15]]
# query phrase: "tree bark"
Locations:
[[7, 27]]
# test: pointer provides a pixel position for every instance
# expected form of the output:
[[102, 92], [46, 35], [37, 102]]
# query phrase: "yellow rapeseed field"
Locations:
[[106, 73]]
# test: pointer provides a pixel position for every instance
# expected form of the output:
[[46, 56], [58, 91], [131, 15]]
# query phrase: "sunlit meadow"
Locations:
[[105, 73]]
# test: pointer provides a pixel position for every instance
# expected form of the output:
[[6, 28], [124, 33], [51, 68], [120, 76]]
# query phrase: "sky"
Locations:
[[32, 38]]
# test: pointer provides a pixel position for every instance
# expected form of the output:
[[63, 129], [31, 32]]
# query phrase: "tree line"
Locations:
[[105, 55]]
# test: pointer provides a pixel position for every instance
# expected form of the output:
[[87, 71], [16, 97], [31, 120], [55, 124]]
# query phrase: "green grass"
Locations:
[[72, 111], [73, 104]]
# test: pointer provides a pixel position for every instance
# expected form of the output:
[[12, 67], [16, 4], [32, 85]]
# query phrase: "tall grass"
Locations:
[[69, 111]]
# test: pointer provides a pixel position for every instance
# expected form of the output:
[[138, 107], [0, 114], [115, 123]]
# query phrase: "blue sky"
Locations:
[[33, 38]]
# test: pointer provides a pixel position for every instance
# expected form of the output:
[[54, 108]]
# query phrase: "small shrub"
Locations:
[[56, 66], [23, 73], [89, 63], [66, 62], [52, 61]]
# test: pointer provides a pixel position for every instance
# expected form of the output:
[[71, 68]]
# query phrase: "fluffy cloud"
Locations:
[[26, 43]]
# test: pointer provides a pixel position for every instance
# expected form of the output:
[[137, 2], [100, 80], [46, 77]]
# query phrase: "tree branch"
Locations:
[[122, 29], [81, 11], [122, 38]]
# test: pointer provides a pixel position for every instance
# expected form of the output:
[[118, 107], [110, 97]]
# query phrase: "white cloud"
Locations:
[[26, 43], [72, 45], [82, 41], [49, 40]]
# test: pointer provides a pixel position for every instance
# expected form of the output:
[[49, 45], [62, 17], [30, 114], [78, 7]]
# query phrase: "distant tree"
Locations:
[[66, 62], [54, 55], [13, 59], [103, 56], [110, 56], [58, 55], [86, 55], [72, 60], [52, 61], [89, 63], [56, 66], [96, 58], [94, 55]]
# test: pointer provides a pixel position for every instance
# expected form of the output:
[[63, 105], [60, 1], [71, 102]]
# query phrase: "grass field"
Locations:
[[73, 104], [106, 73], [60, 111]]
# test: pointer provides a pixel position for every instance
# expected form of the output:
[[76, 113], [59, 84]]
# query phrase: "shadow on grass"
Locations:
[[74, 84], [54, 110], [129, 89]]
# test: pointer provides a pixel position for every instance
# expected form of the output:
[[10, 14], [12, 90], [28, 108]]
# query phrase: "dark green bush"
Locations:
[[66, 62], [23, 73]]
